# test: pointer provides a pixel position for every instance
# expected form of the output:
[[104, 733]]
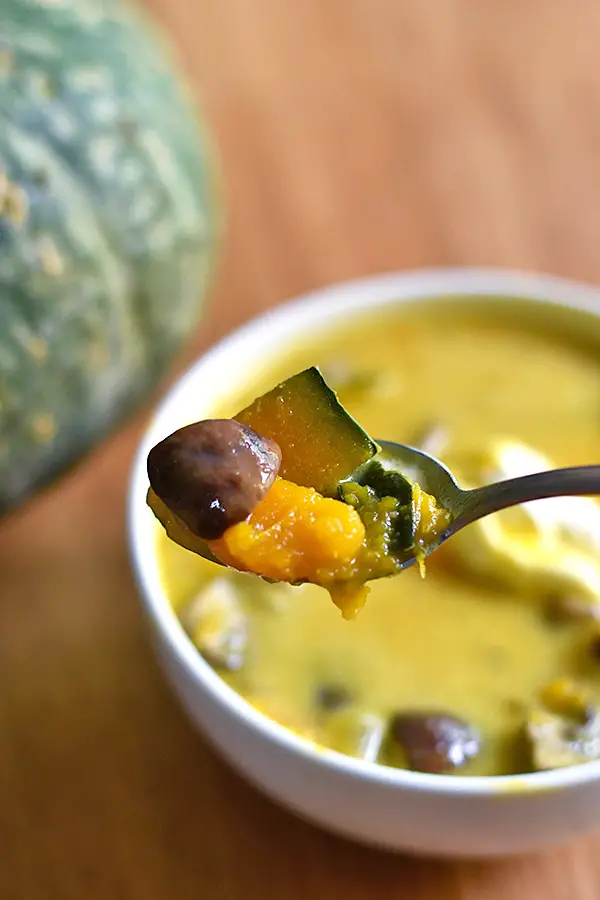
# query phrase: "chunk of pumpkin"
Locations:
[[334, 516], [294, 534], [321, 444]]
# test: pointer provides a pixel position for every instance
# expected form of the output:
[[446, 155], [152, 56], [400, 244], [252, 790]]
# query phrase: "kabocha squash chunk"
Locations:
[[333, 516], [295, 534], [320, 442], [108, 223]]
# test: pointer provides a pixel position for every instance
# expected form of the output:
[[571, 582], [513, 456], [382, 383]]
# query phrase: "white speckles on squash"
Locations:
[[90, 79], [144, 209], [42, 428], [13, 201], [86, 13], [35, 44], [35, 347], [190, 215], [102, 153], [62, 124], [6, 63], [102, 110], [39, 84], [131, 172], [46, 4], [98, 358], [159, 236], [50, 257], [38, 348]]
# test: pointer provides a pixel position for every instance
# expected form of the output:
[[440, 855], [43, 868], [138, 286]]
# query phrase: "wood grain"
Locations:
[[356, 136]]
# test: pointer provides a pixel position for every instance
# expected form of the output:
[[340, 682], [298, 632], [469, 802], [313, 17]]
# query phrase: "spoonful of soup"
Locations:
[[293, 489]]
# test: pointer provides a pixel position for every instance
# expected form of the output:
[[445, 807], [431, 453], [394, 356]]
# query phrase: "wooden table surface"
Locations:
[[356, 136]]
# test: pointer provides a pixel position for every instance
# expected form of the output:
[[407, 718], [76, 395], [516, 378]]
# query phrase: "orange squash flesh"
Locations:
[[295, 534], [430, 521]]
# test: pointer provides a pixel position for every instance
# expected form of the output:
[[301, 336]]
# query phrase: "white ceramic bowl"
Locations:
[[392, 808]]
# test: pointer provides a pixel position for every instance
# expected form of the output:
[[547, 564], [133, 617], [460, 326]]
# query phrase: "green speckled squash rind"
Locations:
[[107, 228]]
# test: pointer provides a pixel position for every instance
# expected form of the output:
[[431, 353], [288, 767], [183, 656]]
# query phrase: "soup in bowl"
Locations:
[[457, 713]]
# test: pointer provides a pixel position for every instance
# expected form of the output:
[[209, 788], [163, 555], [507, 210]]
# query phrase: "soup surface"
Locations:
[[505, 609]]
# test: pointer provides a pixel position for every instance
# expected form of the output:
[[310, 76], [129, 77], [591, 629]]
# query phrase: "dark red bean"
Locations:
[[213, 474], [595, 647], [329, 697], [563, 608], [434, 742]]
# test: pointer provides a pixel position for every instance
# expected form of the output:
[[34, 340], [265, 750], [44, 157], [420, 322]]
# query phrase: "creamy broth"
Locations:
[[448, 642]]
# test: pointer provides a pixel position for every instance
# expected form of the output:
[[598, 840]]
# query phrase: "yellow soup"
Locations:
[[502, 632]]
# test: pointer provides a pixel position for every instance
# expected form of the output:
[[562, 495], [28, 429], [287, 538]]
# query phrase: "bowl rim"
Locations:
[[322, 305]]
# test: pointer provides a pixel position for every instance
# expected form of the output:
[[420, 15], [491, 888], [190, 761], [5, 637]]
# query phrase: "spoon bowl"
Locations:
[[466, 506]]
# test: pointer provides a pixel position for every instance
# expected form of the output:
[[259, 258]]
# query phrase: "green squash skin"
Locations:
[[304, 405], [108, 224]]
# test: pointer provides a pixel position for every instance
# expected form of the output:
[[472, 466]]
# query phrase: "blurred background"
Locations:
[[355, 136], [367, 136]]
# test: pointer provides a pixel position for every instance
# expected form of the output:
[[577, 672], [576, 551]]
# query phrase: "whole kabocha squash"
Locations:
[[107, 227]]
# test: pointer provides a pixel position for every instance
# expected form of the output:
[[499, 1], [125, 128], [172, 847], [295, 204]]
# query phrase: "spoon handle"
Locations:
[[571, 482]]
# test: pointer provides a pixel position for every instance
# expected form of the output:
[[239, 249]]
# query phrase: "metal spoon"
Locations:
[[468, 506]]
